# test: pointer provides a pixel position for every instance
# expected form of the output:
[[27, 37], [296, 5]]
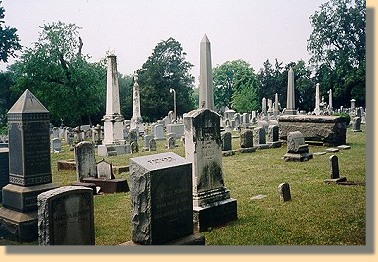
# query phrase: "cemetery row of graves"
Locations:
[[273, 178]]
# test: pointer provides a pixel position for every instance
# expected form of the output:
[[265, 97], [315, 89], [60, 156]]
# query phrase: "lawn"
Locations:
[[318, 214]]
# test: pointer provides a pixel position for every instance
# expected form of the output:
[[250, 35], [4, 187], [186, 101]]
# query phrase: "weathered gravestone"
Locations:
[[356, 124], [297, 149], [134, 147], [284, 192], [4, 169], [56, 145], [29, 168], [273, 136], [212, 204], [158, 131], [104, 170], [334, 170], [246, 142], [152, 145], [65, 216], [227, 144], [161, 196], [259, 138], [147, 139], [85, 160]]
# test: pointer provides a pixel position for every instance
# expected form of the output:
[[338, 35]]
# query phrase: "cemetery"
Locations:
[[203, 175]]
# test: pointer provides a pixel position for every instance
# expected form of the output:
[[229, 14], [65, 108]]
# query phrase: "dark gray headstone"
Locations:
[[259, 136], [152, 145], [334, 166], [161, 194], [226, 141], [284, 192], [246, 139], [65, 216], [4, 169], [85, 160], [273, 133]]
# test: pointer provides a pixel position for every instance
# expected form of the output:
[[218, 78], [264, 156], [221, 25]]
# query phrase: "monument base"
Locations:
[[214, 214], [17, 226], [192, 239], [262, 146], [24, 199], [90, 185], [247, 150], [109, 185], [228, 153], [113, 150], [300, 157], [335, 180], [276, 144]]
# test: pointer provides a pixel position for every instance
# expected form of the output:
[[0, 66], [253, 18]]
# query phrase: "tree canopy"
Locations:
[[9, 41], [164, 69], [57, 72], [337, 48]]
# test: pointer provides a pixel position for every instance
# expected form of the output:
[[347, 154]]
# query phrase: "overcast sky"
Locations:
[[252, 30]]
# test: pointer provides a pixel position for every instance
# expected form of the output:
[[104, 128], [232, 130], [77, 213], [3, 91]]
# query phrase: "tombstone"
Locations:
[[56, 145], [161, 198], [334, 170], [246, 139], [170, 140], [206, 96], [177, 129], [147, 139], [356, 124], [276, 111], [97, 135], [66, 216], [284, 192], [55, 132], [85, 160], [237, 120], [29, 168], [4, 169], [264, 124], [104, 170], [290, 101], [245, 118], [273, 136], [203, 147], [158, 131], [136, 120], [134, 147], [152, 145], [226, 141], [297, 149], [263, 107], [259, 136]]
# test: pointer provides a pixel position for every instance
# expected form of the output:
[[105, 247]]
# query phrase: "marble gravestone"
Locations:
[[85, 160], [66, 216], [246, 142], [297, 149], [161, 196], [212, 204], [29, 168]]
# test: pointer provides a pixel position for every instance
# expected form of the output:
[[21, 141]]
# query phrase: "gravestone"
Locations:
[[212, 204], [29, 168], [273, 136], [356, 124], [246, 141], [134, 147], [297, 149], [158, 131], [227, 144], [284, 192], [147, 139], [171, 141], [56, 145], [161, 197], [152, 145], [177, 129], [104, 170], [133, 134], [259, 136], [66, 216], [85, 160], [334, 171], [4, 169]]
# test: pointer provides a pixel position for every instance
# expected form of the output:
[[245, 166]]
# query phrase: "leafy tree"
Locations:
[[6, 97], [337, 45], [235, 86], [9, 41], [125, 84], [55, 70], [164, 69]]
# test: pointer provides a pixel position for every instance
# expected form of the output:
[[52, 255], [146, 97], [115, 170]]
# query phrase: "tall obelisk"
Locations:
[[113, 120], [317, 100], [290, 101], [206, 96], [136, 120]]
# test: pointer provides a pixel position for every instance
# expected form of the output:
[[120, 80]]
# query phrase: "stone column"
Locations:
[[290, 104], [113, 120], [263, 106], [276, 111], [317, 100], [330, 102], [136, 120], [206, 97]]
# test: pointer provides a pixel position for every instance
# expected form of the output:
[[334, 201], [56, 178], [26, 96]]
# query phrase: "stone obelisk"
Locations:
[[290, 102], [113, 120], [330, 103], [317, 100], [206, 96], [136, 120]]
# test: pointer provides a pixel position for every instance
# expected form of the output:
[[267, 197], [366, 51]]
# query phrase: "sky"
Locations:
[[252, 30]]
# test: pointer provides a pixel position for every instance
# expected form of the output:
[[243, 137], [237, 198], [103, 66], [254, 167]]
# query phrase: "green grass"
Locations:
[[318, 214]]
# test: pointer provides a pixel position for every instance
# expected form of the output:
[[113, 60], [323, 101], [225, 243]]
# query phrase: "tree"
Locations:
[[235, 86], [9, 41], [164, 69], [337, 48], [55, 70]]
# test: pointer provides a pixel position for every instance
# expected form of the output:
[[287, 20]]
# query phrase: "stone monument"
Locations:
[[136, 120], [290, 101], [206, 97], [297, 149], [29, 168], [212, 204]]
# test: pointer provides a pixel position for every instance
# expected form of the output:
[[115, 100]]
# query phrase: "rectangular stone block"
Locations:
[[161, 193]]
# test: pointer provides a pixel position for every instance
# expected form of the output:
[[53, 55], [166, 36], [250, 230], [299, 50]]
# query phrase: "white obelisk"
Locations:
[[290, 101], [136, 120], [206, 96]]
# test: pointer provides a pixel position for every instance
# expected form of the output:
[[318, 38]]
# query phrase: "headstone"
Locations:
[[177, 129], [4, 169], [226, 141], [29, 168], [212, 204], [171, 140], [290, 104], [158, 131], [134, 147], [356, 124], [334, 170], [284, 192], [206, 96], [152, 145], [161, 197], [263, 107], [246, 139], [273, 136], [297, 149], [85, 160], [259, 136], [55, 132], [56, 145], [66, 216], [133, 135], [147, 139], [104, 170]]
